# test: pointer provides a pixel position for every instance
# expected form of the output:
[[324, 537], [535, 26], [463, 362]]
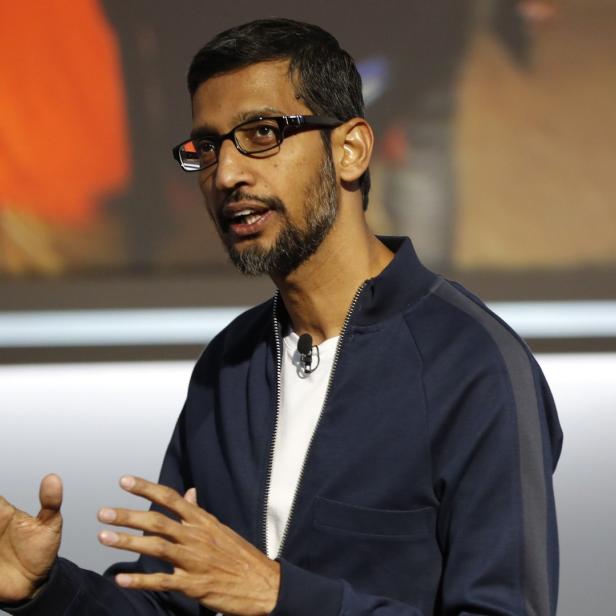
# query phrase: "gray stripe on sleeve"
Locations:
[[534, 500]]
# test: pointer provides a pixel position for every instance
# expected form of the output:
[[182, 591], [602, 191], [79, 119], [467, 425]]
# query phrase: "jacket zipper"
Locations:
[[278, 339]]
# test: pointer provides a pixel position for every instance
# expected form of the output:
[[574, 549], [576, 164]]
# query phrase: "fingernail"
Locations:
[[122, 579], [127, 482], [106, 515], [108, 537]]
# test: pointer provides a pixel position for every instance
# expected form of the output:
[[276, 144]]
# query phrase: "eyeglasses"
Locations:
[[258, 138]]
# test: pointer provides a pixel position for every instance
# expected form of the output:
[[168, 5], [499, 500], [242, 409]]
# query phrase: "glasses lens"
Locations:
[[258, 136], [196, 155]]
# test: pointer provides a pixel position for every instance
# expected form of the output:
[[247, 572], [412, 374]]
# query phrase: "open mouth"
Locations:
[[243, 220], [246, 217]]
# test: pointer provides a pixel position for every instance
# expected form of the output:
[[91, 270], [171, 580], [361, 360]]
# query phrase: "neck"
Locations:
[[317, 295]]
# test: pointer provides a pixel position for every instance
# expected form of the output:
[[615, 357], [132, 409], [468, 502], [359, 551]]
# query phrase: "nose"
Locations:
[[232, 168]]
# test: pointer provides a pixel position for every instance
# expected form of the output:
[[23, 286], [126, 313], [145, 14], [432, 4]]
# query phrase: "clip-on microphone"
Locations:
[[304, 348]]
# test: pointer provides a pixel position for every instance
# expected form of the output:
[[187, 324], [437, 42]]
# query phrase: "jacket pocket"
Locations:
[[367, 522]]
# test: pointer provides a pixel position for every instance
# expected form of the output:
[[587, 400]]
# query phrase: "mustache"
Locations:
[[238, 195]]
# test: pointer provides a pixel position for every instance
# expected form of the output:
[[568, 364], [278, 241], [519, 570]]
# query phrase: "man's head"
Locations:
[[325, 76], [276, 68]]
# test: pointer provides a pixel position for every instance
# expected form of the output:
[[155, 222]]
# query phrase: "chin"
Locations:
[[250, 242]]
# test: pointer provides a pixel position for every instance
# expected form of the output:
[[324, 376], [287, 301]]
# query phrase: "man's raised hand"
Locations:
[[212, 563], [29, 545]]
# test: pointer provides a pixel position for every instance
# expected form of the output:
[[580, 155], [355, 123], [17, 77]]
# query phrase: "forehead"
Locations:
[[228, 99]]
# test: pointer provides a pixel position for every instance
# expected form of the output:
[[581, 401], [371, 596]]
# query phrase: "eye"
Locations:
[[264, 132], [205, 147], [258, 136]]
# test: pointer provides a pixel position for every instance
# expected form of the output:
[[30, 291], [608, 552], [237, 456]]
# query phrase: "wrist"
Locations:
[[274, 588], [39, 588], [36, 588]]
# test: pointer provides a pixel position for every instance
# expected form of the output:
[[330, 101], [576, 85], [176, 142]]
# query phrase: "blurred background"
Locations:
[[496, 153]]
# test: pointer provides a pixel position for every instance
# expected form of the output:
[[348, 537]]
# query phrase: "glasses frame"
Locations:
[[287, 125]]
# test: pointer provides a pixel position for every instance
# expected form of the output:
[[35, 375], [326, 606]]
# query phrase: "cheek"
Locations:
[[204, 183], [208, 202], [207, 190]]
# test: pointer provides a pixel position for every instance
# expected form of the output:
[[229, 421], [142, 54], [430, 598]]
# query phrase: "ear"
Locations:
[[354, 140]]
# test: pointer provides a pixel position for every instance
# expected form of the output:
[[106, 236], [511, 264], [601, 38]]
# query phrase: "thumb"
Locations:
[[191, 495], [50, 495]]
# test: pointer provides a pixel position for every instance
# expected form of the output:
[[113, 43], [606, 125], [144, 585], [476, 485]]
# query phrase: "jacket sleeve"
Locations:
[[495, 449], [303, 593], [72, 591]]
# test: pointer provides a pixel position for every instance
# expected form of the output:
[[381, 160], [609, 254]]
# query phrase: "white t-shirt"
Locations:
[[302, 397]]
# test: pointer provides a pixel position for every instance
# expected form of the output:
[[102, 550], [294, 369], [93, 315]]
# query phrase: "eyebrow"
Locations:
[[205, 131]]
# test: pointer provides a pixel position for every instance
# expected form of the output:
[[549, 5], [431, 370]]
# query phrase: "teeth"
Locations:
[[242, 213], [246, 217]]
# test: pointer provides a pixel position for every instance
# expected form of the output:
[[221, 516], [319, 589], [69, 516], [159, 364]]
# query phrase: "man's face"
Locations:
[[292, 193]]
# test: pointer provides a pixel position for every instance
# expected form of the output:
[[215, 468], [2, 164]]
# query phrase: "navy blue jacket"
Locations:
[[428, 485]]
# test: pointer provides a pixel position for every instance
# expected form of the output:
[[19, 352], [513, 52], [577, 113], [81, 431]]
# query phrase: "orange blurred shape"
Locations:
[[63, 128]]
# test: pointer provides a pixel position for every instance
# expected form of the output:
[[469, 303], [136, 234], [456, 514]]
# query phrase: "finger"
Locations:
[[50, 495], [150, 545], [148, 521], [191, 495], [164, 496], [151, 581], [6, 511]]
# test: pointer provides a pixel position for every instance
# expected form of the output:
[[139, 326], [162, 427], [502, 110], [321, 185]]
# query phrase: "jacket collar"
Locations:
[[402, 283]]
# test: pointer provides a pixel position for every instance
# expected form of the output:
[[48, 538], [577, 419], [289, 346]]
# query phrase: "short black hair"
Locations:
[[324, 74]]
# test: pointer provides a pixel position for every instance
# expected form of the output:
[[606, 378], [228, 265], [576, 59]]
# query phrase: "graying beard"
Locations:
[[294, 246]]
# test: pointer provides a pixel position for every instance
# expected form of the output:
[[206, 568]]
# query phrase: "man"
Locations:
[[403, 466]]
